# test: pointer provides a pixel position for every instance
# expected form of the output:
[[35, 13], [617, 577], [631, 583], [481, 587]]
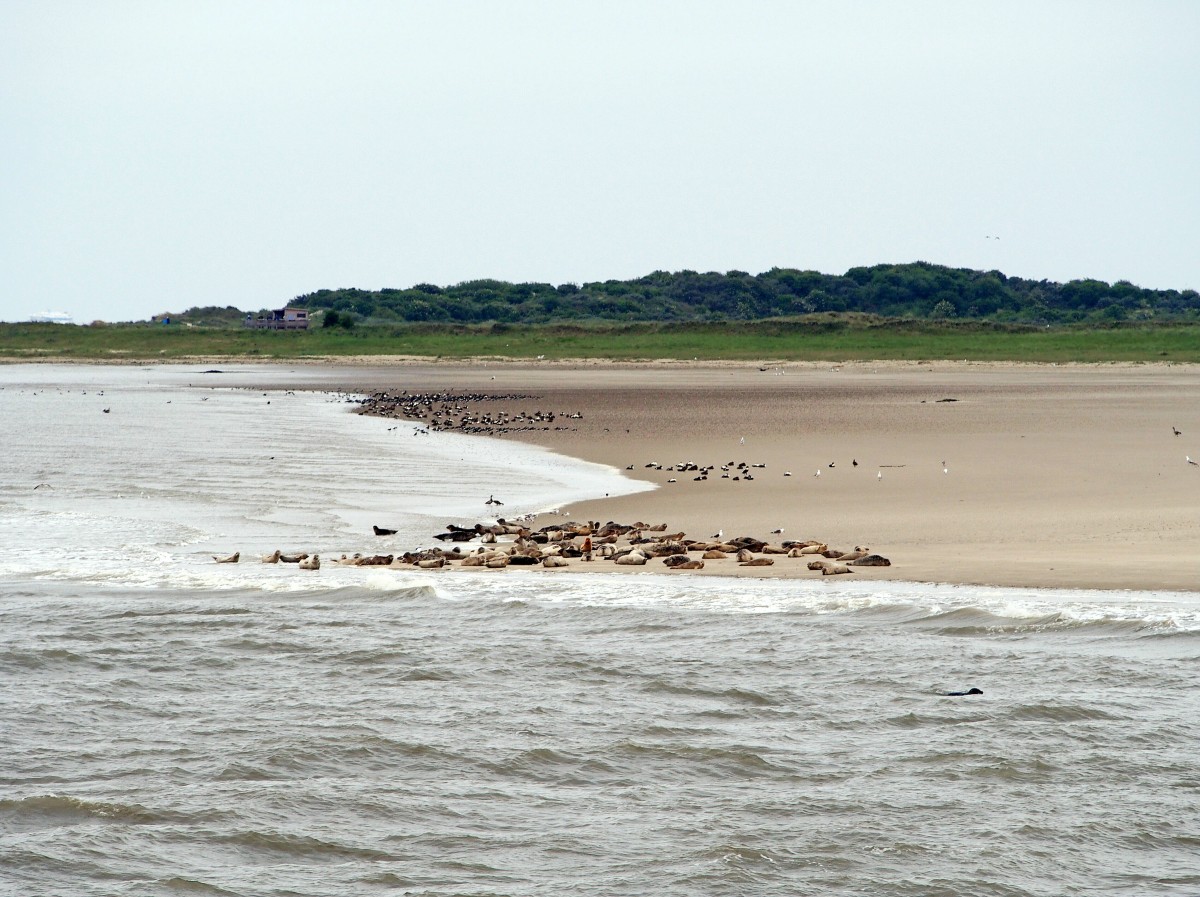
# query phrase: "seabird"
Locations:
[[879, 476], [777, 532], [1175, 431], [1190, 461], [854, 462]]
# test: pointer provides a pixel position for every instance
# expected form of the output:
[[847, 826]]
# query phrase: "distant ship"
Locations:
[[51, 317]]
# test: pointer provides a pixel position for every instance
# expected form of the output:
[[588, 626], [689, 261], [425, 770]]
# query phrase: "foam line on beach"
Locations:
[[978, 608]]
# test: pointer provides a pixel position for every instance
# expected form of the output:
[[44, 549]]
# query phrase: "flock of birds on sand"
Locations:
[[496, 546], [742, 471], [739, 471], [453, 411]]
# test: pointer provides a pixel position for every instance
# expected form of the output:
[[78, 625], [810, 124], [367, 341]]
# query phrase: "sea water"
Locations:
[[169, 725]]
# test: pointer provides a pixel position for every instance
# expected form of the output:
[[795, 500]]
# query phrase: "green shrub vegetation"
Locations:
[[918, 290]]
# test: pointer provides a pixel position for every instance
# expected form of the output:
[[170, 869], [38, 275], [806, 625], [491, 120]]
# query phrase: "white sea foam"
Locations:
[[907, 601]]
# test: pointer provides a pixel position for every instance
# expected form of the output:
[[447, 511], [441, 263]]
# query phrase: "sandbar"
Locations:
[[1014, 475]]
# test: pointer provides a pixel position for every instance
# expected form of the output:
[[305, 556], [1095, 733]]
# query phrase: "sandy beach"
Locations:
[[993, 474]]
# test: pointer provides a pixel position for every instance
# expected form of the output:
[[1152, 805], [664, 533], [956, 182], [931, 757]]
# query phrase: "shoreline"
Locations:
[[1062, 477]]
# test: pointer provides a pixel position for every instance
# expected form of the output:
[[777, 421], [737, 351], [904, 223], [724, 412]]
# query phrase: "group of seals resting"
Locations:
[[503, 544]]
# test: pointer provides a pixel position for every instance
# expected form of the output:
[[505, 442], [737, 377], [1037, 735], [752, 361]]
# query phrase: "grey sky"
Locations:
[[160, 155]]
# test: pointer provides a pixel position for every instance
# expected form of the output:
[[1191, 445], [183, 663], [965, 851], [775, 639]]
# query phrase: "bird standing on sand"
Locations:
[[1190, 461], [1176, 431], [879, 476]]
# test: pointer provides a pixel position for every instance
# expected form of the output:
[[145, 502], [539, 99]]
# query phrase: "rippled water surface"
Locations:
[[172, 726]]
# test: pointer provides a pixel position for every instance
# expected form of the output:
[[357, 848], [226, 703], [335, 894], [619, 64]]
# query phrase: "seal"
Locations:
[[834, 569], [870, 560], [960, 694]]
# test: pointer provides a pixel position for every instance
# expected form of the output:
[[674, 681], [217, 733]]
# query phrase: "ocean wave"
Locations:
[[300, 848], [45, 658], [735, 695], [388, 880], [1062, 712], [56, 809], [181, 885], [979, 621], [683, 759]]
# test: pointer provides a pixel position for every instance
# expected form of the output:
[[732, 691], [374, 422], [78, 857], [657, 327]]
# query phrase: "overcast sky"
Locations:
[[160, 155]]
